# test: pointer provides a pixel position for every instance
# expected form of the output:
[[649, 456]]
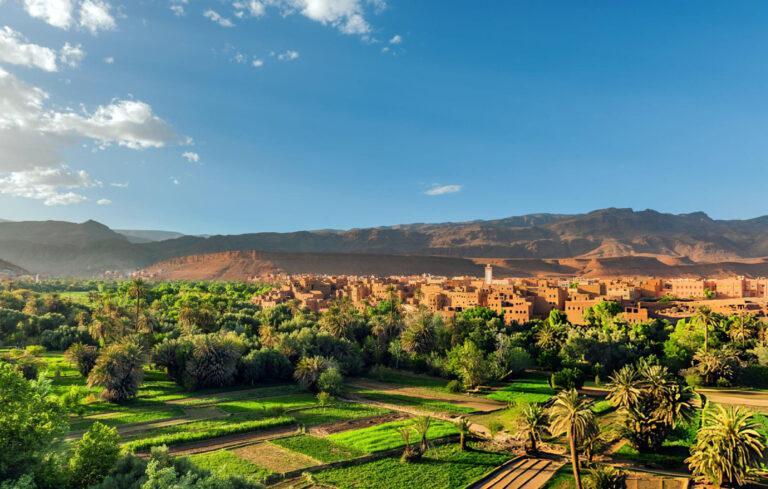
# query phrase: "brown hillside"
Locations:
[[9, 270], [244, 265]]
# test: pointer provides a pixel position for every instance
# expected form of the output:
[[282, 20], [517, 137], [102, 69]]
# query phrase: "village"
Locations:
[[520, 300]]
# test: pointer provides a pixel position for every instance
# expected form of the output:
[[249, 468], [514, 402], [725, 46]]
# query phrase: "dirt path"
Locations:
[[520, 473], [477, 403]]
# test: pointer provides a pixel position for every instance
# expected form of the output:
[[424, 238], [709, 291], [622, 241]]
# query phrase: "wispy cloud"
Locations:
[[103, 202], [443, 189], [289, 55], [191, 157], [215, 17], [119, 185]]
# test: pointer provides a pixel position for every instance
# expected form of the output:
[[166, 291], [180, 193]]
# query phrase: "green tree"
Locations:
[[83, 357], [727, 446], [570, 412], [419, 333], [30, 421], [330, 381], [624, 387], [531, 423], [309, 369], [119, 370], [468, 362], [95, 455], [706, 318]]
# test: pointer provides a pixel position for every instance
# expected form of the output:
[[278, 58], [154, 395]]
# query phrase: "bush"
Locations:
[[455, 386], [35, 350], [28, 366], [754, 376], [95, 455], [119, 370], [494, 427], [567, 378], [694, 381], [330, 381]]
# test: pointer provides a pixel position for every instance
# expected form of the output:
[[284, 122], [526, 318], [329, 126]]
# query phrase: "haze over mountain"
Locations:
[[90, 248]]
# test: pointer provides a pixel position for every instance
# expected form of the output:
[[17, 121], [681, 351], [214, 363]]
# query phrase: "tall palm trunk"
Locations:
[[706, 336], [574, 457], [532, 437]]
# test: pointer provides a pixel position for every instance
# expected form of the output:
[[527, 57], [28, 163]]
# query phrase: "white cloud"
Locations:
[[258, 63], [175, 181], [103, 202], [51, 185], [109, 60], [348, 16], [396, 39], [15, 49], [32, 135], [191, 157], [71, 55], [118, 185], [253, 8], [95, 16], [443, 189], [57, 13], [215, 17], [385, 49], [177, 6], [288, 55]]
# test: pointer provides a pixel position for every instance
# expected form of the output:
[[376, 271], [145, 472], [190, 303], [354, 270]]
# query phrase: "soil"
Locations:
[[477, 403], [355, 424], [273, 457]]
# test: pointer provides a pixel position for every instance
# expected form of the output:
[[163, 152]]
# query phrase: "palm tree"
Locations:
[[339, 318], [741, 326], [119, 370], [531, 422], [606, 477], [623, 387], [707, 318], [570, 413], [463, 426], [727, 446], [422, 424], [419, 333], [137, 290], [309, 369]]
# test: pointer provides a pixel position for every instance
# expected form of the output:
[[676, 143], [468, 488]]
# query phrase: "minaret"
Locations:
[[488, 274]]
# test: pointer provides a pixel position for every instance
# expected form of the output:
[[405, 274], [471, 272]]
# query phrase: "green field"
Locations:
[[532, 388], [335, 413], [392, 376], [287, 402], [321, 449], [225, 463], [442, 467], [385, 436], [430, 405]]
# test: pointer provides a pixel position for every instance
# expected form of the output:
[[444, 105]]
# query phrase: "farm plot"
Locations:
[[227, 463], [531, 388], [386, 436], [274, 457], [457, 402], [321, 449], [442, 467]]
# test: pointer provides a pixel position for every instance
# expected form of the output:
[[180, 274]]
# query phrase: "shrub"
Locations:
[[754, 376], [605, 477], [455, 386], [694, 381], [494, 427], [330, 381], [35, 350], [213, 361], [28, 366], [83, 357], [567, 378], [95, 455]]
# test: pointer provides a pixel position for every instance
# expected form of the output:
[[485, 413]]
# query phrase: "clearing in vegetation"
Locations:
[[420, 403]]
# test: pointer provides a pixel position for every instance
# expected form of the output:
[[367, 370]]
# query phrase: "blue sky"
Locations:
[[308, 114]]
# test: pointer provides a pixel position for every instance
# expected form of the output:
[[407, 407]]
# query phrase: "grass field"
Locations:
[[442, 467], [335, 413], [287, 402], [385, 436], [321, 449], [531, 388], [205, 434], [227, 464]]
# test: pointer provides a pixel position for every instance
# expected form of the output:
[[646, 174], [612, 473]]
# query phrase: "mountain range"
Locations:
[[558, 243]]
